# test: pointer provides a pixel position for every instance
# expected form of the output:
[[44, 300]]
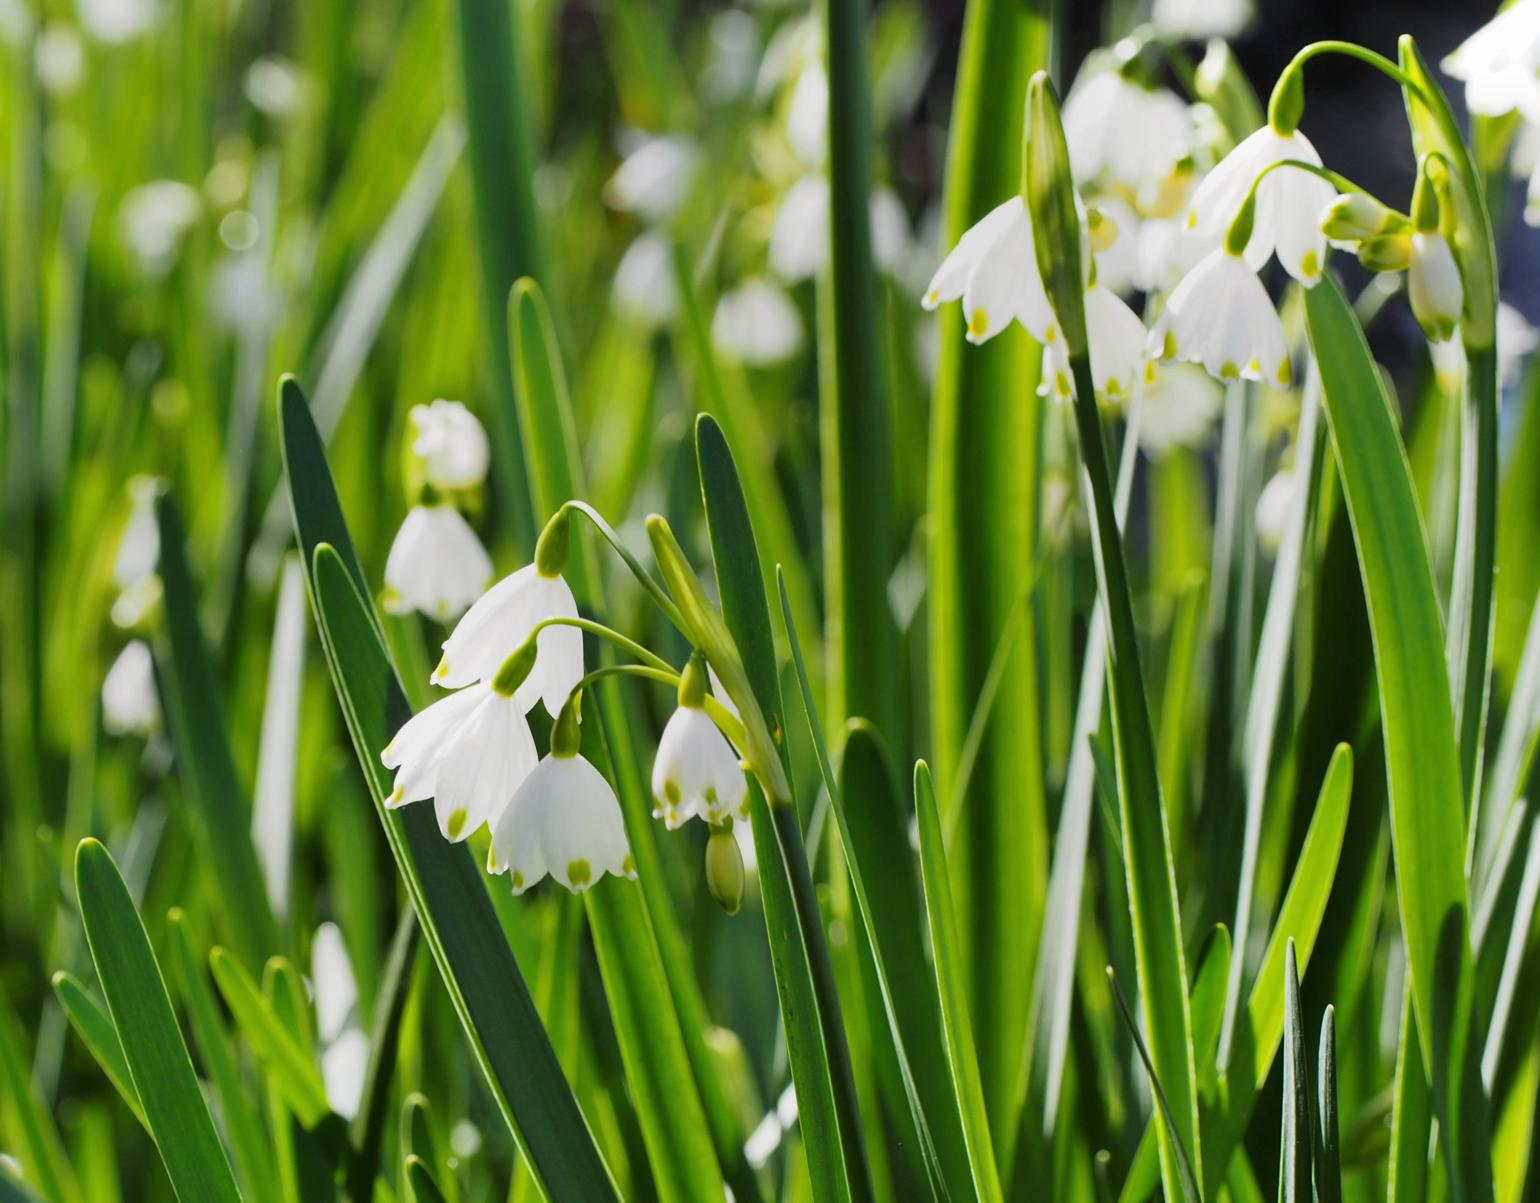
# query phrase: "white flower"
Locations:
[[654, 179], [1274, 504], [136, 566], [993, 268], [807, 116], [696, 774], [1121, 132], [153, 218], [469, 752], [499, 624], [1179, 410], [115, 20], [1116, 244], [1516, 338], [1167, 252], [339, 1031], [450, 443], [273, 85], [437, 566], [1289, 202], [757, 324], [1433, 285], [1116, 337], [1500, 63], [130, 704], [799, 240], [1197, 20], [646, 289], [1221, 316], [59, 57], [565, 820]]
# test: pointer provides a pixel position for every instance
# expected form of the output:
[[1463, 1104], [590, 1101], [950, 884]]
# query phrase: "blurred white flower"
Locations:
[[339, 1028], [450, 443], [1274, 504], [437, 566], [646, 288], [1167, 252], [807, 115], [756, 323], [1116, 337], [16, 22], [1433, 285], [653, 180], [130, 703], [1221, 316], [565, 820], [1117, 245], [993, 268], [696, 773], [273, 85], [59, 57], [799, 240], [500, 622], [1120, 132], [1516, 338], [733, 56], [116, 20], [1500, 63], [1289, 202], [153, 218], [1180, 407], [1198, 20], [469, 752], [136, 566]]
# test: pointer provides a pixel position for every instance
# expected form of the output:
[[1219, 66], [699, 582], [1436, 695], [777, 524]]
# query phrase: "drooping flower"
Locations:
[[646, 289], [153, 219], [993, 268], [1120, 132], [130, 703], [653, 180], [1180, 408], [344, 1046], [503, 619], [1221, 316], [1197, 20], [696, 773], [564, 820], [469, 752], [437, 566], [799, 240], [1500, 63], [757, 324], [1433, 285], [1116, 337], [450, 443], [807, 115], [1289, 202], [1274, 504]]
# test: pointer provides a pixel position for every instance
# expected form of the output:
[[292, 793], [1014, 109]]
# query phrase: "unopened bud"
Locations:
[[1386, 252], [514, 670], [1355, 216], [1049, 191], [551, 548], [724, 868]]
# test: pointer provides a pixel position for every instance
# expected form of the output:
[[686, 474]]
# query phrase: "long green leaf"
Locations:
[[38, 1147], [94, 1027], [218, 809], [472, 955], [1421, 752], [1410, 1116], [158, 1063], [966, 1083], [1328, 1165], [1297, 1143]]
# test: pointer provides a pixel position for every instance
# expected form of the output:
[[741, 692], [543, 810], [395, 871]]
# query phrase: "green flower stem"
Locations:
[[643, 577], [1470, 627], [629, 646], [1349, 50], [719, 714]]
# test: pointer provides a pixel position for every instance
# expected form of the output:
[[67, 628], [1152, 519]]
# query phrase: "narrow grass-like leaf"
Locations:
[[368, 1128], [1328, 1143], [292, 1069], [946, 955], [158, 1063], [1515, 957], [424, 1187], [1410, 1117], [94, 1027], [38, 1146], [217, 808], [1421, 753], [878, 853], [1297, 1143]]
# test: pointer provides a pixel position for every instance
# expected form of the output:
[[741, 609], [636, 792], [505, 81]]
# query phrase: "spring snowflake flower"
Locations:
[[1289, 202], [344, 1046], [130, 703], [1274, 504], [1433, 285], [807, 115], [1221, 316], [1116, 337], [757, 324], [115, 21], [696, 774], [799, 240], [1120, 132], [654, 179], [153, 219], [470, 752], [1180, 408], [59, 58], [450, 443], [564, 820], [437, 566], [646, 289], [1500, 63], [1198, 20], [136, 566], [993, 268]]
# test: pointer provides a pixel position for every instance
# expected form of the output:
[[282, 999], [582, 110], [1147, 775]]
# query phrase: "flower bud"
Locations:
[[1356, 216], [1386, 252], [551, 547], [1049, 191], [1433, 284], [1287, 104], [515, 669], [724, 868]]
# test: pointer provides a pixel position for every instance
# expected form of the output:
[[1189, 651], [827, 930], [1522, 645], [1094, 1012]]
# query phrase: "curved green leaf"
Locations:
[[94, 1027]]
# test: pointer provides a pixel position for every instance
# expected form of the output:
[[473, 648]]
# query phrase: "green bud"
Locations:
[[1287, 103], [693, 682], [1049, 192], [1355, 216], [724, 868], [551, 548], [1242, 224], [1386, 252], [514, 670], [566, 738], [1425, 193]]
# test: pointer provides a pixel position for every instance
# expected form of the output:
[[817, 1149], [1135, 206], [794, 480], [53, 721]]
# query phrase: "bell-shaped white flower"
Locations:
[[993, 268], [437, 566], [130, 703], [115, 21], [696, 773], [59, 57], [1120, 132], [1116, 337], [807, 115], [646, 289], [1289, 202], [1181, 405], [469, 752], [1221, 316], [654, 179], [1500, 63], [757, 324], [799, 240], [502, 621], [1199, 20], [344, 1046], [565, 820], [450, 444], [1433, 285], [1274, 504]]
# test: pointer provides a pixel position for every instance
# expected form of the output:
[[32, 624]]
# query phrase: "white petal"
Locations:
[[582, 834], [436, 565], [1117, 340], [499, 624], [486, 761], [655, 178], [451, 443], [130, 703], [1005, 284], [757, 323], [799, 241], [952, 276], [344, 1065], [696, 772], [516, 835], [645, 287], [559, 649], [1221, 316], [419, 746], [1292, 200], [331, 973]]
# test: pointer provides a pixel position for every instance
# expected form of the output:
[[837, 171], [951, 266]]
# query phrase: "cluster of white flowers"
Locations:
[[130, 701], [1499, 65]]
